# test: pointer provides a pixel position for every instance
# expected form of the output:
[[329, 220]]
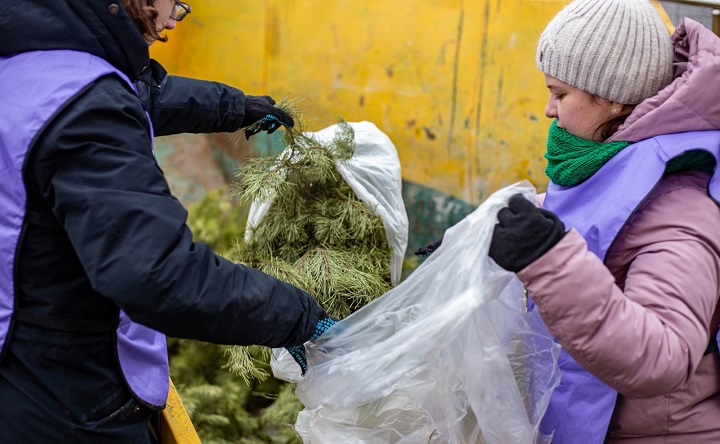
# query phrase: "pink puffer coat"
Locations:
[[642, 320]]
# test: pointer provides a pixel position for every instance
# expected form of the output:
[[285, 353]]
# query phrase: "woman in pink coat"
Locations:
[[623, 259]]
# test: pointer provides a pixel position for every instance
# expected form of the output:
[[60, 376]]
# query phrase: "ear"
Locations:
[[616, 108]]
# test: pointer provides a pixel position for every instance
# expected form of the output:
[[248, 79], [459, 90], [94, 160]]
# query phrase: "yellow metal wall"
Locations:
[[452, 82]]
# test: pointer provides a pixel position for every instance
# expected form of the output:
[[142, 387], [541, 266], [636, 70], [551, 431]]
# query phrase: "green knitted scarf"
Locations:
[[572, 160]]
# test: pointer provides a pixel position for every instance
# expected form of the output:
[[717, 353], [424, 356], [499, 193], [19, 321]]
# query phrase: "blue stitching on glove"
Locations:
[[322, 326], [298, 351], [270, 117]]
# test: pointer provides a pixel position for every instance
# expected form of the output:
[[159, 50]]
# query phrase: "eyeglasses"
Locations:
[[180, 11]]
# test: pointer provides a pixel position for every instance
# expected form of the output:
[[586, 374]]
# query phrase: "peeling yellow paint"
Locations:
[[174, 426]]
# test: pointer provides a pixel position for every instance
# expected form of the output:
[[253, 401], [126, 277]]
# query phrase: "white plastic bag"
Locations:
[[373, 173], [448, 356]]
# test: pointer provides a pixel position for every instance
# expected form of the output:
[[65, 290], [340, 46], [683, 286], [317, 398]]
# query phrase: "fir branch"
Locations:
[[318, 236], [261, 178], [286, 272], [343, 145], [218, 411], [283, 412], [345, 280], [345, 219], [243, 362], [216, 220], [305, 157]]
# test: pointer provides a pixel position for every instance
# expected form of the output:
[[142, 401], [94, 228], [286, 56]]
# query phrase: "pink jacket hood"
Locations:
[[686, 104]]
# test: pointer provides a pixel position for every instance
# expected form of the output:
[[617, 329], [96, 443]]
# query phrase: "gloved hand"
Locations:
[[261, 109], [428, 249], [298, 351], [523, 233]]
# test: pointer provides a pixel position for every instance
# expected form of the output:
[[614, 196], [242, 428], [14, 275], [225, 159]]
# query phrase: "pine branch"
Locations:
[[318, 236], [248, 362], [345, 280], [283, 412]]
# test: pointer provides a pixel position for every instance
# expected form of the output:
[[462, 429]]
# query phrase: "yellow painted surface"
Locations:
[[452, 82], [663, 14], [174, 423]]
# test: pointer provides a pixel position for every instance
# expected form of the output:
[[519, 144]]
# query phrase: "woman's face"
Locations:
[[578, 111], [165, 9]]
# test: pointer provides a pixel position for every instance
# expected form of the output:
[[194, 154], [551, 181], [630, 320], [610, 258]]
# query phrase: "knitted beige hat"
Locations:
[[616, 49]]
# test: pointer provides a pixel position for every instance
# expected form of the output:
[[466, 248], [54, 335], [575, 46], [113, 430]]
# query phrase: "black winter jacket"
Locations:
[[124, 243], [119, 238], [107, 234]]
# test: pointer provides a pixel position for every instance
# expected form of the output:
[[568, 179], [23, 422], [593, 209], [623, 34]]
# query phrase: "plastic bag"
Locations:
[[447, 356], [373, 173]]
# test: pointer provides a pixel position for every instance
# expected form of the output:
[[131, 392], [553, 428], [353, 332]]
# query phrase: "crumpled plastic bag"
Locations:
[[373, 173], [447, 356]]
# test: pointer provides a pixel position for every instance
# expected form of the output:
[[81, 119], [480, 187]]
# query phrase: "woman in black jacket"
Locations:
[[95, 255]]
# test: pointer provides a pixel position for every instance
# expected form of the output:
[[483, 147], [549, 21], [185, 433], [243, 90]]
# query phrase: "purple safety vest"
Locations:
[[33, 87], [581, 407]]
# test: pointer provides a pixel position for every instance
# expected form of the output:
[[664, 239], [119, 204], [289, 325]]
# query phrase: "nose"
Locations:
[[550, 108]]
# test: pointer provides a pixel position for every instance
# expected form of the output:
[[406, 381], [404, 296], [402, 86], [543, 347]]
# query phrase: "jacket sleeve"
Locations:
[[183, 105], [645, 334], [97, 169]]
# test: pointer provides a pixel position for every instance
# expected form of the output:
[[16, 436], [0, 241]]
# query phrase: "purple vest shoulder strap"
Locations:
[[33, 87], [581, 406]]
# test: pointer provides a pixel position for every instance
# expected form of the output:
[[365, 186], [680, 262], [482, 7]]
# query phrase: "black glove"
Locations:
[[261, 110], [428, 249], [523, 233], [298, 351]]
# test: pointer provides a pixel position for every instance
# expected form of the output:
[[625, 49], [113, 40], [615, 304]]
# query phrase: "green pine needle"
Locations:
[[318, 236], [248, 362]]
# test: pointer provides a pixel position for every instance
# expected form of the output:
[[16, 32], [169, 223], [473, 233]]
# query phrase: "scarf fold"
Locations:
[[572, 160]]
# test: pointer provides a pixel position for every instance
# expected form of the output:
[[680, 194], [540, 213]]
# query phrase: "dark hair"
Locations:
[[143, 15], [608, 128]]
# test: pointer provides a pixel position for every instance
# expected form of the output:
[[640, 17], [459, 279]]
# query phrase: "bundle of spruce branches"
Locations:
[[317, 234]]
